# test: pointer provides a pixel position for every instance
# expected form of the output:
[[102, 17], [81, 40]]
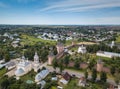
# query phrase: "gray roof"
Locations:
[[10, 64], [41, 75]]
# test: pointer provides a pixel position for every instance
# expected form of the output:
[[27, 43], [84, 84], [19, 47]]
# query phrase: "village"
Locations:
[[53, 61]]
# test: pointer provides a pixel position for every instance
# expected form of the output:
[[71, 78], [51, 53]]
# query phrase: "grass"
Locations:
[[29, 76], [31, 40], [118, 39], [103, 58], [53, 87], [2, 71], [76, 70], [68, 42], [72, 84], [74, 49]]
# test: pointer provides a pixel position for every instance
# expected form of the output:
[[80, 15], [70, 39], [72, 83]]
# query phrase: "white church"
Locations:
[[24, 66], [82, 49]]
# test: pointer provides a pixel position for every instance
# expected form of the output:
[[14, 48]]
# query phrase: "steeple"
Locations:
[[112, 44], [23, 58], [36, 57]]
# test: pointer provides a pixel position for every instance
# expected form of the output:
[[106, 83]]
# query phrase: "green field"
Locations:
[[28, 76], [2, 71], [118, 39], [72, 84], [31, 40]]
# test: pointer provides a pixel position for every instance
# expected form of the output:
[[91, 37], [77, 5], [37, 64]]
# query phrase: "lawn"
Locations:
[[31, 40], [118, 39], [75, 49], [2, 71], [72, 84], [29, 76]]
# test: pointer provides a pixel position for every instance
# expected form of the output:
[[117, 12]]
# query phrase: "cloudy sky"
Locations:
[[63, 12]]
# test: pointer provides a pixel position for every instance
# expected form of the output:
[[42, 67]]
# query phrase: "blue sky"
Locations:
[[63, 12]]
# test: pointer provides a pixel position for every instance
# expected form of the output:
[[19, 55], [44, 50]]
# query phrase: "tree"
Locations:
[[103, 77], [66, 60], [55, 64], [86, 74], [112, 70], [7, 57], [61, 66], [94, 75], [91, 64], [117, 77], [4, 84], [77, 65]]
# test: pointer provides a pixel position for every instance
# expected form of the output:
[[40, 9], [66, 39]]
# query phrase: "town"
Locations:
[[59, 57]]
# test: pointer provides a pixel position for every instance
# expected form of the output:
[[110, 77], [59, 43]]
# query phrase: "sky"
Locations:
[[60, 12]]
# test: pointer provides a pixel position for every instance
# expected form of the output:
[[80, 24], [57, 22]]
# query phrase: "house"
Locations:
[[107, 54], [2, 61], [54, 78], [114, 87], [15, 44], [1, 66], [41, 75], [10, 65], [65, 78], [82, 82]]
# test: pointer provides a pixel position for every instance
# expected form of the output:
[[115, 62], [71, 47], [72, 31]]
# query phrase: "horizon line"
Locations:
[[60, 24]]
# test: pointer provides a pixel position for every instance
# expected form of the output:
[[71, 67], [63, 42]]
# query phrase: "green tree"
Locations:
[[103, 77], [94, 75], [61, 66], [66, 60], [4, 83], [55, 64], [86, 74], [77, 65], [112, 70], [7, 57], [117, 77]]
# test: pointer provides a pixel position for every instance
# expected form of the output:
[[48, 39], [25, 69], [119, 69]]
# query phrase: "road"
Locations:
[[76, 73]]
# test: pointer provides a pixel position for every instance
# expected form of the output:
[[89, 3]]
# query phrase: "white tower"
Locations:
[[23, 59], [36, 63], [36, 58], [112, 44]]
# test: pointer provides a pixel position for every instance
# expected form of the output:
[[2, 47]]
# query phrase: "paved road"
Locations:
[[77, 73]]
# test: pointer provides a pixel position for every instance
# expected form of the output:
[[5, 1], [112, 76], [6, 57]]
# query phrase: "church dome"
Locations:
[[19, 72]]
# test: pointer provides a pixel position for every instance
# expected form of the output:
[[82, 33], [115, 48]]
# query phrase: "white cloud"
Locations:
[[81, 5]]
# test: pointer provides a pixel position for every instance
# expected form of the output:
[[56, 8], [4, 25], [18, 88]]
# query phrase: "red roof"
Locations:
[[67, 76]]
